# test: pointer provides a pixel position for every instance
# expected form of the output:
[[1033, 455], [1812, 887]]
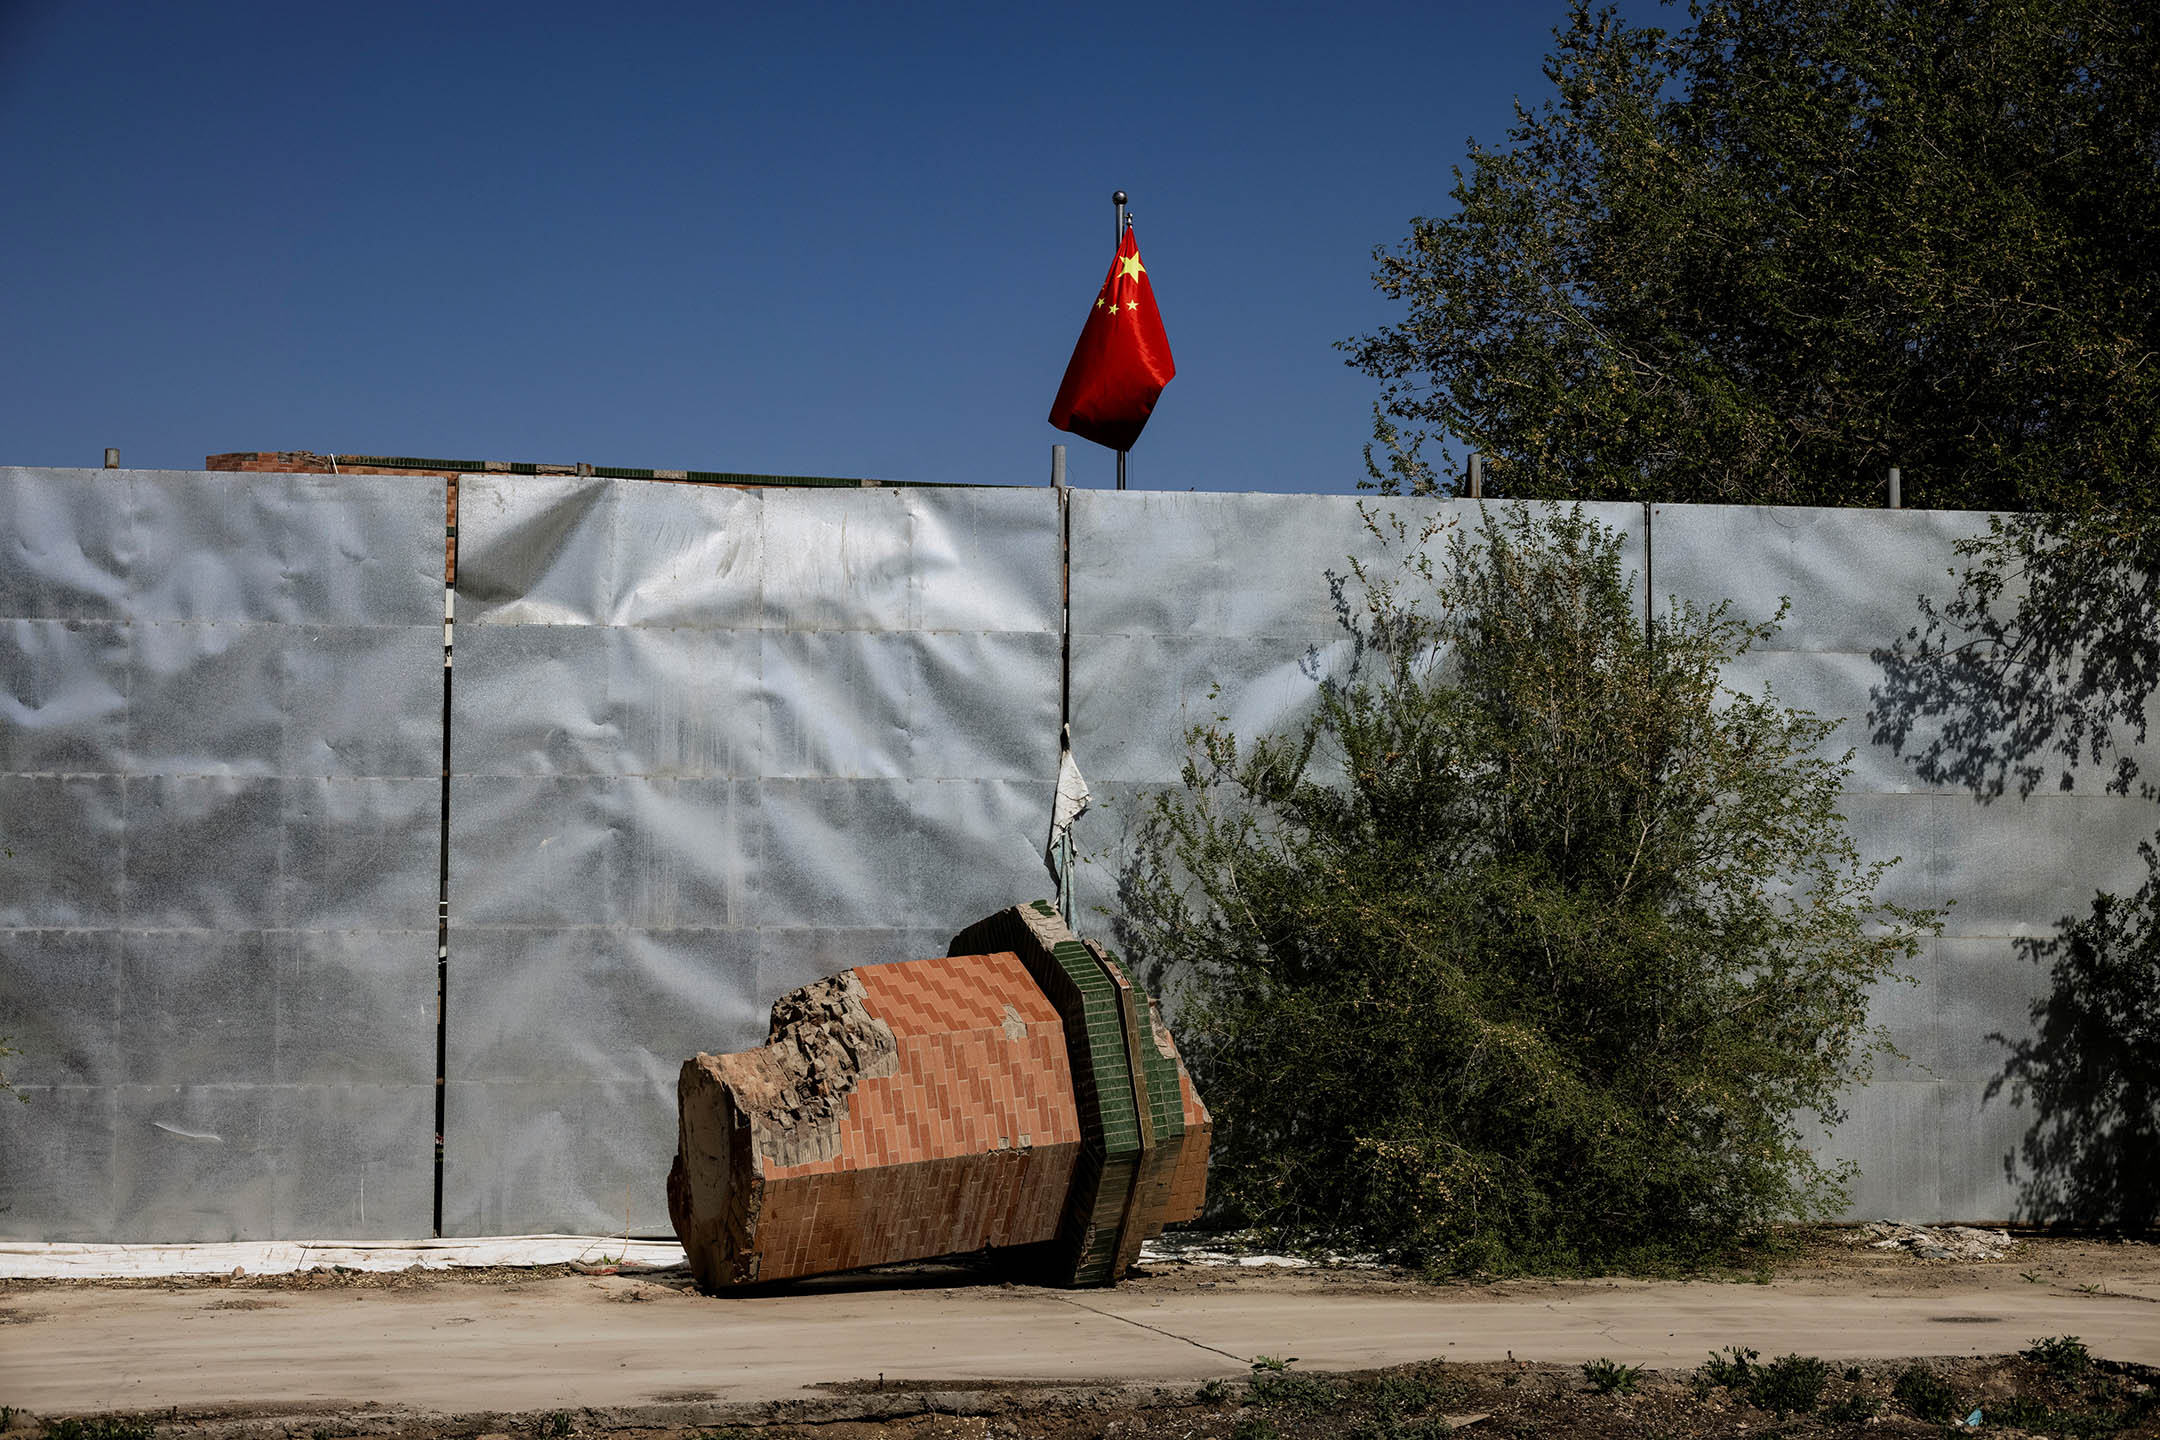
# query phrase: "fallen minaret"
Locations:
[[1021, 1091]]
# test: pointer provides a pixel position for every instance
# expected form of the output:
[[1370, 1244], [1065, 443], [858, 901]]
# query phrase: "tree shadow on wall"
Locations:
[[2091, 1070], [2042, 662]]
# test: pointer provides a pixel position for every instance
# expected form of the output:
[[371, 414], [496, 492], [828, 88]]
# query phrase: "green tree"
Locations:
[[1535, 944], [1764, 257]]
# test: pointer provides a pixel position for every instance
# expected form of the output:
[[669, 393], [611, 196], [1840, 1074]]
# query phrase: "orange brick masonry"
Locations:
[[898, 1111]]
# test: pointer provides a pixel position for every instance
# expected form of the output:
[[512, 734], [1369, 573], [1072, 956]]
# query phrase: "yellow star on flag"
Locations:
[[1129, 267]]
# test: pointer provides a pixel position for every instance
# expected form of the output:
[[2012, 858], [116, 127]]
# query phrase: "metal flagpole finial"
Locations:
[[1117, 198]]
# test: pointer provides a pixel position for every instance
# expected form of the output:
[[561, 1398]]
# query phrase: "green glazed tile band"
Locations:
[[1093, 1231], [1162, 1114]]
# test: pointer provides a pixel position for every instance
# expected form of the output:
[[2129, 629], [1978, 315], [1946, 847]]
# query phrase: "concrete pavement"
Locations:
[[616, 1341]]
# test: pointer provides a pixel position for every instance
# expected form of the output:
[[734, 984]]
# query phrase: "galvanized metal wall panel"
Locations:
[[220, 735], [708, 745], [1188, 607], [1191, 607], [1930, 1139]]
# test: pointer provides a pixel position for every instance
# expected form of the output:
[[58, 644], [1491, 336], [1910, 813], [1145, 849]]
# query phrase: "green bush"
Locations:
[[1393, 1396], [101, 1427], [1609, 1377], [2108, 1411], [1733, 1368], [2062, 1356], [1790, 1384], [1529, 950], [1925, 1393], [1854, 1408], [1288, 1390]]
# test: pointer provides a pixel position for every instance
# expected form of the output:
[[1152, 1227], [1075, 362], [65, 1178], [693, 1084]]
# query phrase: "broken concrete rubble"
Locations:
[[1020, 1093], [1933, 1242]]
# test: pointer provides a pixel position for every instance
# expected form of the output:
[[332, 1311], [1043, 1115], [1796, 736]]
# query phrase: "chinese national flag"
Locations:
[[1122, 361]]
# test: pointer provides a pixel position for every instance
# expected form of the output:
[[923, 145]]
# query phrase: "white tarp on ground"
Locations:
[[271, 1257], [286, 1257]]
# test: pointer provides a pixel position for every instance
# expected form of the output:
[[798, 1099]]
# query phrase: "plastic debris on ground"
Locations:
[[1934, 1242], [1197, 1248]]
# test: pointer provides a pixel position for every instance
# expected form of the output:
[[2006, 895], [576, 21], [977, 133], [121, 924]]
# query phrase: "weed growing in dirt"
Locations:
[[1731, 1368], [1288, 1390], [1791, 1384], [1396, 1404], [1392, 1397], [2106, 1411], [101, 1427], [1429, 1429], [1252, 1427], [1608, 1377], [1856, 1408], [2062, 1356], [1925, 1393], [1214, 1392]]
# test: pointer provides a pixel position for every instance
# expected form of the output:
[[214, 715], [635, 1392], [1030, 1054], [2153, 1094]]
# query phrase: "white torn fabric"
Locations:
[[1193, 1247], [21, 1260], [1072, 799]]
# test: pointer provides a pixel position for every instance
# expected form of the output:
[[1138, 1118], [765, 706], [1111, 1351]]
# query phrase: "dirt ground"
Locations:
[[1198, 1380], [2013, 1396], [1522, 1401]]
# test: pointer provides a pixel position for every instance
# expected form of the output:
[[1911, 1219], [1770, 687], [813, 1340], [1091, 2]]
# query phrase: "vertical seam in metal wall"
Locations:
[[1649, 568], [1064, 616], [442, 878]]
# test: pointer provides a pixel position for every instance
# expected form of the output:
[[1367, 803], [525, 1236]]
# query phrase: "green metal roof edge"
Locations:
[[409, 462]]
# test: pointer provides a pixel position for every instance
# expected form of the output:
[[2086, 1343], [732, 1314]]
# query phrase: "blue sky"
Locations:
[[830, 239]]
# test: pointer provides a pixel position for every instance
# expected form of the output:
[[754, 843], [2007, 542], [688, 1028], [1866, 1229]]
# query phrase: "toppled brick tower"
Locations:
[[1021, 1091]]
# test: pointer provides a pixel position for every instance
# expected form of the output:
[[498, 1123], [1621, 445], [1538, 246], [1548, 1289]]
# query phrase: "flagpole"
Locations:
[[1117, 199]]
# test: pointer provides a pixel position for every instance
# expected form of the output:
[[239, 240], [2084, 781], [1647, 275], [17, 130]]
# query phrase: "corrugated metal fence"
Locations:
[[705, 745]]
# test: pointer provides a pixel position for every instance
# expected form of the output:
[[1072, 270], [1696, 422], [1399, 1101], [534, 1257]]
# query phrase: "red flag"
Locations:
[[1122, 361]]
